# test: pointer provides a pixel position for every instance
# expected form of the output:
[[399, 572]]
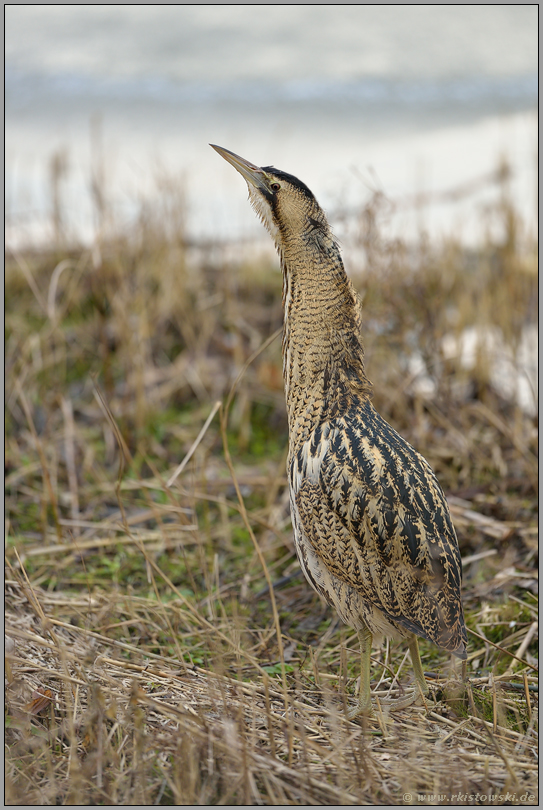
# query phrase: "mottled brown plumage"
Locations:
[[372, 527]]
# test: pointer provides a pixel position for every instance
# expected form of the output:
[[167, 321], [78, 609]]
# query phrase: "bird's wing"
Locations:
[[377, 518]]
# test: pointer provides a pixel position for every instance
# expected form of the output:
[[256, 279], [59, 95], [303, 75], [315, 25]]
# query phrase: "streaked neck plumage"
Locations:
[[322, 350]]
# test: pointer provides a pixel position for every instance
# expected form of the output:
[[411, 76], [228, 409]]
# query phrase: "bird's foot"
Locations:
[[397, 704], [362, 711], [364, 708], [415, 697], [368, 708]]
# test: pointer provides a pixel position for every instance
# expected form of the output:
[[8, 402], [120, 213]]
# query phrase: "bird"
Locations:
[[372, 528]]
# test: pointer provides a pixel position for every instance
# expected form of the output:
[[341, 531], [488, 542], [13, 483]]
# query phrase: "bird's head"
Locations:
[[285, 205]]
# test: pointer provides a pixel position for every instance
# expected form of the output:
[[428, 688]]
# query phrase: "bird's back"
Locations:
[[371, 520]]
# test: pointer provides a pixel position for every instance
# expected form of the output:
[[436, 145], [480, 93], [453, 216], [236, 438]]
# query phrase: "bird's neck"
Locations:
[[323, 364]]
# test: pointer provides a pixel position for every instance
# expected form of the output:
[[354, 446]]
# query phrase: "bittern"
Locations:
[[372, 528]]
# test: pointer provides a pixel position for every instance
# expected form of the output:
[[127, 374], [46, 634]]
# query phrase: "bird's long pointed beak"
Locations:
[[253, 174]]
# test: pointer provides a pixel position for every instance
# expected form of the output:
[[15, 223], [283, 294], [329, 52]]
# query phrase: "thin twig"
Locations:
[[194, 445]]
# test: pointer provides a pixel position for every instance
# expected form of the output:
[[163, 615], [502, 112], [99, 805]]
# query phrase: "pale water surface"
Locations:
[[408, 99]]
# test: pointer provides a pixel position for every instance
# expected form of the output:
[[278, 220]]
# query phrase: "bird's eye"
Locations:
[[275, 186]]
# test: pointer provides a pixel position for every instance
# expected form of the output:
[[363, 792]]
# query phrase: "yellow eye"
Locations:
[[275, 186]]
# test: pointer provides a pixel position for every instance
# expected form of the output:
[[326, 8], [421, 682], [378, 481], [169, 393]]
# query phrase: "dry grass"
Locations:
[[148, 661]]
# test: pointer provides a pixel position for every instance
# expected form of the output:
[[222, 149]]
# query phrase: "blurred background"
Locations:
[[408, 99]]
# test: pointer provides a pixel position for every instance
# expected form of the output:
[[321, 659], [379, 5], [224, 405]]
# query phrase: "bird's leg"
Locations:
[[364, 693], [417, 665], [395, 704], [422, 687]]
